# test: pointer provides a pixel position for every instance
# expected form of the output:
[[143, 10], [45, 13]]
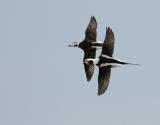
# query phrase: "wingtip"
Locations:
[[108, 29], [93, 18], [100, 93], [88, 79], [109, 33], [102, 90]]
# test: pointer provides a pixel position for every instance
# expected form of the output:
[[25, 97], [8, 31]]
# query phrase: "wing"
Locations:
[[103, 79], [91, 30], [89, 68], [108, 45]]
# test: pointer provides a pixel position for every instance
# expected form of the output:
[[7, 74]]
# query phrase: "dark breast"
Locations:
[[89, 52], [85, 45]]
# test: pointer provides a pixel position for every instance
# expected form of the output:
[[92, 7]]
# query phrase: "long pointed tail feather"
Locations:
[[132, 64]]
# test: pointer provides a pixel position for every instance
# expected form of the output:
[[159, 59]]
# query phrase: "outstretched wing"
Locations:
[[89, 68], [103, 79], [90, 53], [108, 45], [91, 30]]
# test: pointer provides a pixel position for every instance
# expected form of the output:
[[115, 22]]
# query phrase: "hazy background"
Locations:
[[42, 81]]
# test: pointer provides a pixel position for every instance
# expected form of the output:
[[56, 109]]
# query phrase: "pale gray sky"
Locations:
[[42, 81]]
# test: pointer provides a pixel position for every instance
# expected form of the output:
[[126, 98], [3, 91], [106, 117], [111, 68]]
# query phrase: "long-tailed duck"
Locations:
[[88, 45], [105, 61]]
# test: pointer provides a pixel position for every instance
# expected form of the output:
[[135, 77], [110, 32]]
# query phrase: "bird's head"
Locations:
[[74, 44]]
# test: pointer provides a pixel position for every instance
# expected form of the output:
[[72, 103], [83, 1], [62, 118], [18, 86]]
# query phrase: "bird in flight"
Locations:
[[105, 61], [89, 45]]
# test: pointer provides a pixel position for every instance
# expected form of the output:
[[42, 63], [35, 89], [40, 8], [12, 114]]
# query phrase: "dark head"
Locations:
[[74, 44]]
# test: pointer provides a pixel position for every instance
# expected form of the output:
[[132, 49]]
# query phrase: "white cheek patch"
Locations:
[[77, 44]]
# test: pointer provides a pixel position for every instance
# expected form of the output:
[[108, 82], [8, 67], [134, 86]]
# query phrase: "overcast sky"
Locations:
[[42, 81]]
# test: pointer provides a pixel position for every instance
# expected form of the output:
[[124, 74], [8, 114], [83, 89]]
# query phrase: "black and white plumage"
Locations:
[[88, 45], [105, 61], [105, 72]]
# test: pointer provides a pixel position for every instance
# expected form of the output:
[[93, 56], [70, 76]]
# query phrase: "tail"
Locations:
[[131, 64]]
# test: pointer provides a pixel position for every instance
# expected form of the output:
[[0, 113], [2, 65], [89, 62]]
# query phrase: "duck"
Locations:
[[106, 62], [89, 46]]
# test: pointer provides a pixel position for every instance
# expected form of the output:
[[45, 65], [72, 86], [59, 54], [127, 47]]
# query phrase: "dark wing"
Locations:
[[103, 79], [108, 45], [89, 68], [91, 30]]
